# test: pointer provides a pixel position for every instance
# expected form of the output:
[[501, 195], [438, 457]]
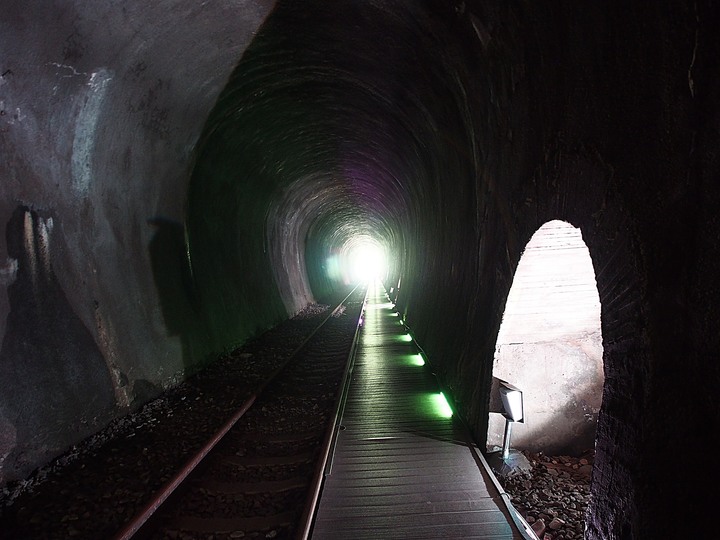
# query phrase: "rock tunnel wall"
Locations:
[[101, 105], [451, 131]]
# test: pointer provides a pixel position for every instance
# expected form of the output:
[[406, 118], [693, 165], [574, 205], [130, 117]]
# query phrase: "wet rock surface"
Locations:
[[554, 496]]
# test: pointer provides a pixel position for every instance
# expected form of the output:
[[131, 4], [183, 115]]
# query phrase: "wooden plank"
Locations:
[[486, 522], [356, 530], [340, 498], [382, 490], [427, 507], [384, 468]]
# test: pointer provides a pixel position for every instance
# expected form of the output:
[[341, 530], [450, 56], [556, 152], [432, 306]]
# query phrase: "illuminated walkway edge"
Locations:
[[402, 467]]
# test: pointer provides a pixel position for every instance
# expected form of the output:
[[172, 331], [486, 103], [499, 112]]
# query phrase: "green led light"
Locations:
[[441, 405], [405, 337], [416, 360]]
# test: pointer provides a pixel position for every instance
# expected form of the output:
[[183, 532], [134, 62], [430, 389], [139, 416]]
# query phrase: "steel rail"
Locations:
[[169, 487], [328, 445]]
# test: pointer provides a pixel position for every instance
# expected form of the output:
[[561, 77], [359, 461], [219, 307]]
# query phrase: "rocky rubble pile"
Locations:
[[554, 496], [311, 310]]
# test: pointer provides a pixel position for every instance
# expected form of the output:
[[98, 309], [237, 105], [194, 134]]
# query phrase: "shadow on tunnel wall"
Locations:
[[178, 301], [56, 387]]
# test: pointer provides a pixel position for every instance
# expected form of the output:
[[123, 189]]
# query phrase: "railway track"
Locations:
[[258, 476]]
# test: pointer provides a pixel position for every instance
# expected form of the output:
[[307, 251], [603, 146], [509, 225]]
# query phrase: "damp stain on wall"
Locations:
[[53, 373]]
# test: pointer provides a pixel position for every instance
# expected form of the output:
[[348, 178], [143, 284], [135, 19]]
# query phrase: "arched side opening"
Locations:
[[550, 345]]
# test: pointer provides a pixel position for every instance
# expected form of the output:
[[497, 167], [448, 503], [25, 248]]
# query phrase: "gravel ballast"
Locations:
[[553, 498]]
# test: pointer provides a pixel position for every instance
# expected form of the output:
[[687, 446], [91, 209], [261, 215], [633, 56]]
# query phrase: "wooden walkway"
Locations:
[[402, 466]]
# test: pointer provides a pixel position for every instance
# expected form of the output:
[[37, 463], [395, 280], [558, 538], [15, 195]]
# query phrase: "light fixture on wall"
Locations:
[[513, 411], [507, 400]]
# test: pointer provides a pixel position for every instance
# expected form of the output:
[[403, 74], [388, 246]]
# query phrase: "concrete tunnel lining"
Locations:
[[100, 111], [450, 131]]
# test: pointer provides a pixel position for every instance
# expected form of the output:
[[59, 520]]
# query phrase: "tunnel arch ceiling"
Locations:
[[483, 120], [312, 227], [317, 140]]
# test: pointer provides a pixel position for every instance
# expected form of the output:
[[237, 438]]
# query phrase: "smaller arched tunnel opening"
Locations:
[[550, 345]]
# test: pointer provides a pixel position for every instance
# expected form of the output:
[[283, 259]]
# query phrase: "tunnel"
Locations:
[[177, 177]]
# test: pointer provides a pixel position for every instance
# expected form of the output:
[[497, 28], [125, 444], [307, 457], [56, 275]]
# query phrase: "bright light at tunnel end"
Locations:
[[360, 259], [367, 262]]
